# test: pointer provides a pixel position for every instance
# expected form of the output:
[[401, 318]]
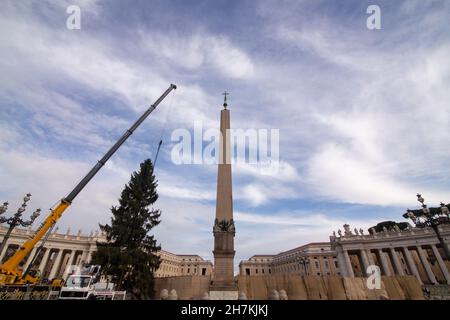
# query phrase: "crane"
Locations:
[[9, 273]]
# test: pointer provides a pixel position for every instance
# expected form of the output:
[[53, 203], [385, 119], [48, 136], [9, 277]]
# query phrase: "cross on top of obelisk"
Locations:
[[225, 99]]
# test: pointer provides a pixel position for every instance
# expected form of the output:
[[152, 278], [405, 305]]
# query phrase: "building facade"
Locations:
[[174, 265], [59, 252], [256, 265], [413, 251], [312, 259], [64, 249]]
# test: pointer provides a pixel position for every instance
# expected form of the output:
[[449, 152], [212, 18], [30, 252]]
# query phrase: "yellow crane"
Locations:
[[9, 273]]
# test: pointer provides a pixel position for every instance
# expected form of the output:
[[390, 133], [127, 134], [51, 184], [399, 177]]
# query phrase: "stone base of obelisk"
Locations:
[[223, 295], [221, 290]]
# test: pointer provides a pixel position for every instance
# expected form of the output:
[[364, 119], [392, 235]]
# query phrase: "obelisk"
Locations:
[[223, 284]]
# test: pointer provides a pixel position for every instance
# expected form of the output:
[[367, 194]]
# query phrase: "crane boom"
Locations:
[[8, 270]]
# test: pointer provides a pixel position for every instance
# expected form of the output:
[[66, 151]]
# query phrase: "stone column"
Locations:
[[441, 263], [77, 258], [84, 256], [348, 265], [331, 266], [30, 257], [323, 270], [411, 264], [69, 264], [370, 257], [44, 260], [55, 267], [384, 263], [446, 243], [397, 264], [89, 256], [426, 265], [342, 268], [2, 254], [365, 261]]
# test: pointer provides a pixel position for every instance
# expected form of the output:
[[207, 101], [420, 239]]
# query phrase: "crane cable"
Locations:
[[164, 128]]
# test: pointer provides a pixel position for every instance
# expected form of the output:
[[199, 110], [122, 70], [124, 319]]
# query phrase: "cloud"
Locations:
[[90, 6], [283, 171], [92, 63], [172, 187], [50, 179], [201, 51], [363, 116], [260, 193], [295, 228], [365, 106]]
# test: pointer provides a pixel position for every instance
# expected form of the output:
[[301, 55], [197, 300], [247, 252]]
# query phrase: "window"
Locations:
[[78, 281], [247, 271], [203, 271], [336, 264], [262, 270], [256, 271], [317, 264]]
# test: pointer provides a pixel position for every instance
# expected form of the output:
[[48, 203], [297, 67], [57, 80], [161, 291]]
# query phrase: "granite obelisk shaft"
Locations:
[[224, 229]]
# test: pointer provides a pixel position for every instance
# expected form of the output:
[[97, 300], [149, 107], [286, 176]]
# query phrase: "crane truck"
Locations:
[[9, 273], [89, 284]]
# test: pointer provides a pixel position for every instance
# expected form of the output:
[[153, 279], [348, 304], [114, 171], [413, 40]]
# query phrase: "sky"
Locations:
[[363, 114]]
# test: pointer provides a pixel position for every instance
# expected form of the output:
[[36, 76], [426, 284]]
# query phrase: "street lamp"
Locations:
[[431, 217], [16, 220], [3, 208], [305, 262]]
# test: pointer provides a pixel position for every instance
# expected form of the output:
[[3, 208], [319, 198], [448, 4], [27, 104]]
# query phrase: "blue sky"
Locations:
[[363, 114]]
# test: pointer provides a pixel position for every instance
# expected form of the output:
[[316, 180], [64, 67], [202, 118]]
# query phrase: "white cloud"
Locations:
[[369, 117], [338, 173], [201, 51], [50, 179], [47, 54], [260, 193], [283, 171], [363, 117], [91, 6], [293, 229], [256, 195]]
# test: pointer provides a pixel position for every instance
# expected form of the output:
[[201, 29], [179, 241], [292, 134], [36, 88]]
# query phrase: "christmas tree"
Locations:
[[128, 256]]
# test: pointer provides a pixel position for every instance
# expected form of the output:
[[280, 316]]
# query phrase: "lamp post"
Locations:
[[305, 262], [16, 220], [431, 217]]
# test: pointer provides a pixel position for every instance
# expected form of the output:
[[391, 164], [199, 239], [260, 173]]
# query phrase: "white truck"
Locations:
[[89, 285]]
